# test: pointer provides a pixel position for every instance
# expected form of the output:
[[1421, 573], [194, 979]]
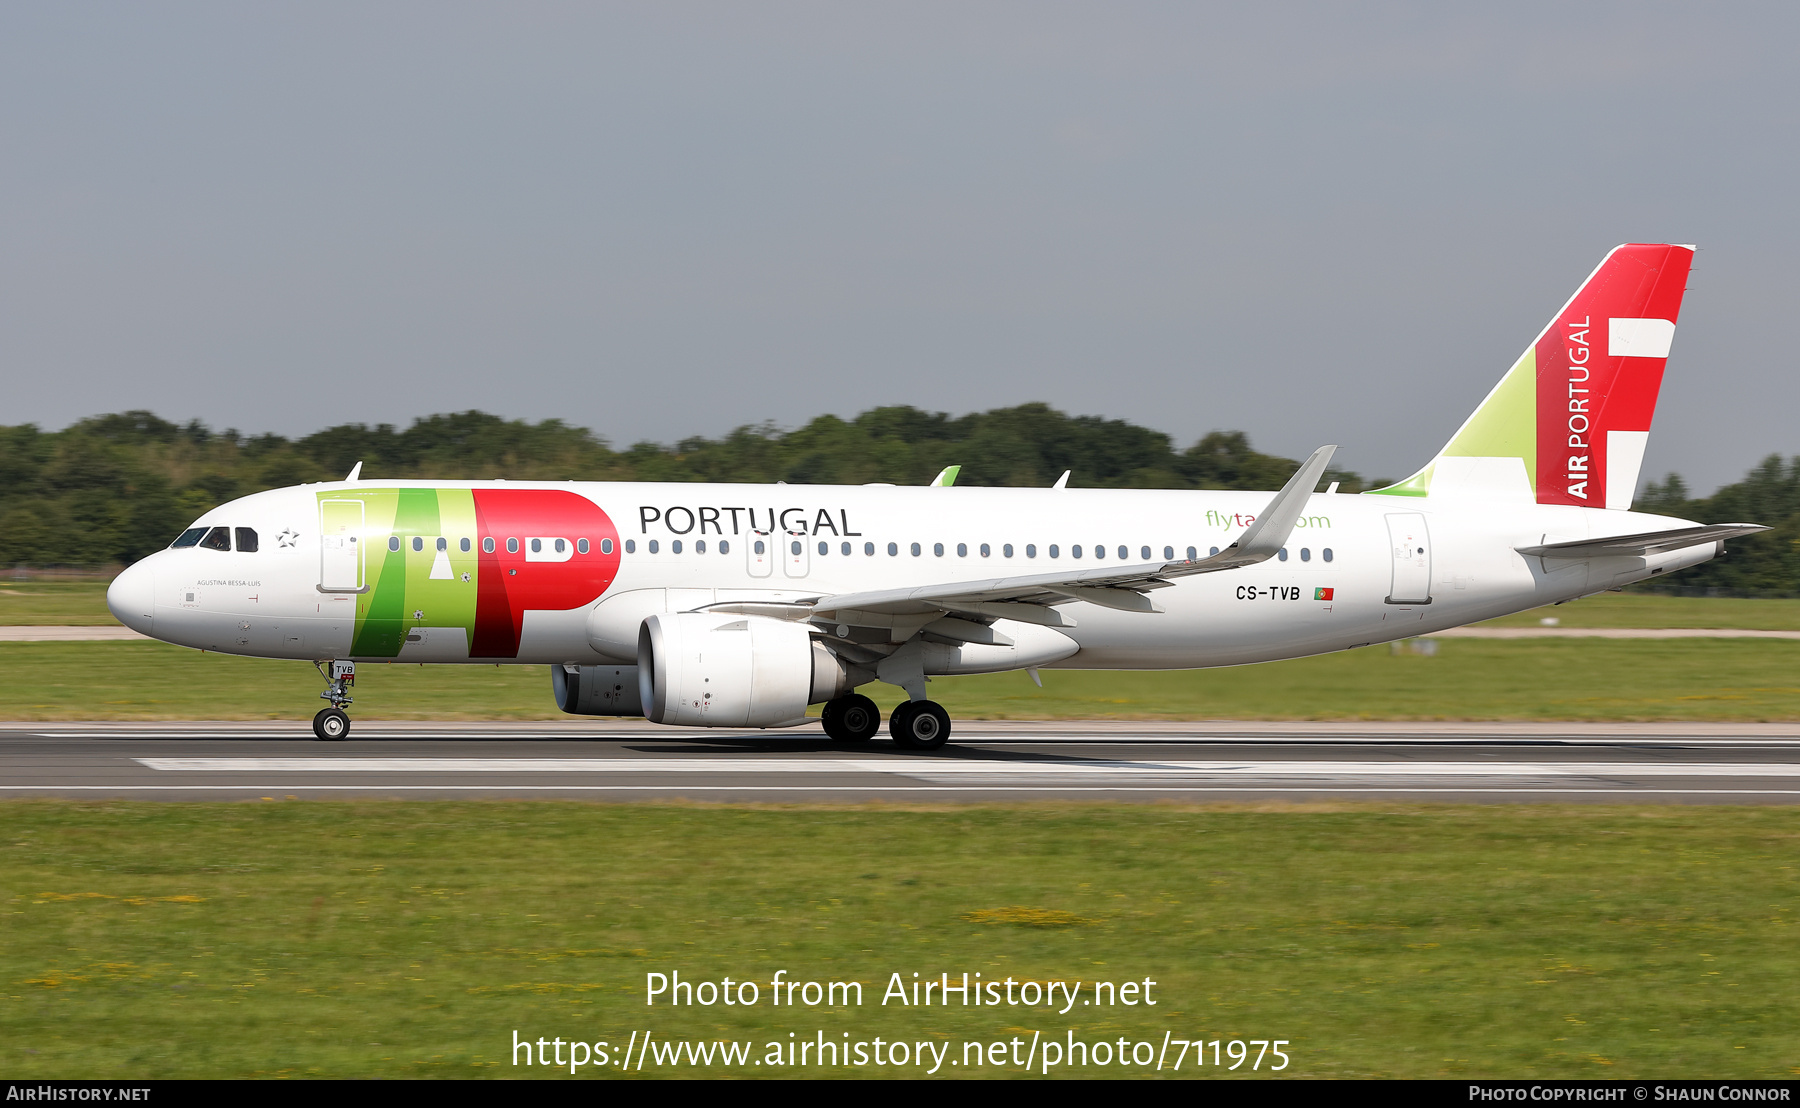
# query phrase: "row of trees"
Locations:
[[1760, 565], [114, 488], [111, 489]]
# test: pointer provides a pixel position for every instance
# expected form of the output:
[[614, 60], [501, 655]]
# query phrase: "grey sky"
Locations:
[[1326, 223]]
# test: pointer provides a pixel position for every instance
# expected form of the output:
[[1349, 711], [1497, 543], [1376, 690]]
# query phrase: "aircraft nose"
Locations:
[[132, 597]]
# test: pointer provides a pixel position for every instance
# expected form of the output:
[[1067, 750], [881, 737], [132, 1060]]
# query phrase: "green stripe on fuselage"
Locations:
[[405, 595]]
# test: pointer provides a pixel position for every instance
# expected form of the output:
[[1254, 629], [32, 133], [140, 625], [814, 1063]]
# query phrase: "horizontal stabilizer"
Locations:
[[1651, 542]]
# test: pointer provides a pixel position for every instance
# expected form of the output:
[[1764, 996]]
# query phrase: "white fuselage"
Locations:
[[1397, 567]]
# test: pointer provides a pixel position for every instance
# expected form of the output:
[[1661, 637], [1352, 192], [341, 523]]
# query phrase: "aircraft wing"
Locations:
[[1121, 587], [1650, 542]]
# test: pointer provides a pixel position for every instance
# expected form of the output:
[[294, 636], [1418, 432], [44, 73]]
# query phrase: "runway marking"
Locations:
[[937, 769], [981, 740], [1621, 790]]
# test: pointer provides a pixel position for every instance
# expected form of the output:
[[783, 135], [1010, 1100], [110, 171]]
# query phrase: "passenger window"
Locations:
[[1006, 551], [443, 544], [561, 545], [606, 546], [1054, 552], [581, 546], [537, 545], [1305, 554], [246, 540], [1099, 551], [1212, 552], [487, 545], [824, 548], [393, 542], [463, 545], [915, 550], [1031, 550], [655, 547], [188, 537], [1282, 554], [1169, 553], [869, 549], [675, 547], [986, 550], [418, 544], [631, 546], [512, 546], [962, 550], [893, 550], [937, 548], [699, 546], [724, 546], [1075, 551], [1327, 553], [219, 538], [794, 547], [760, 548]]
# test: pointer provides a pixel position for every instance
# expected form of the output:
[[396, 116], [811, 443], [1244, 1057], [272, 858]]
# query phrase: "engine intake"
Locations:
[[710, 669]]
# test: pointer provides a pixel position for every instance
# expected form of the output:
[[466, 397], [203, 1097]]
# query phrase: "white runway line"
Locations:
[[936, 769], [1618, 790]]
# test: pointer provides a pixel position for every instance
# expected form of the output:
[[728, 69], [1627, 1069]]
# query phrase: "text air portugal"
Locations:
[[1599, 368], [511, 583]]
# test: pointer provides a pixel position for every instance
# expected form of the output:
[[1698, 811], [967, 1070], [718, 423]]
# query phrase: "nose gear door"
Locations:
[[341, 558], [1410, 545]]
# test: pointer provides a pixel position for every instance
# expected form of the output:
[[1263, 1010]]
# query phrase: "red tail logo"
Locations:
[[1599, 368]]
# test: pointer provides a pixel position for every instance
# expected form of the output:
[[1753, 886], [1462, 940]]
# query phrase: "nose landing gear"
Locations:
[[333, 723]]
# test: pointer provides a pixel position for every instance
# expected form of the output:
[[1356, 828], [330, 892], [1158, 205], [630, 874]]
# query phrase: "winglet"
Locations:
[[946, 477], [1063, 481], [1269, 532], [355, 472]]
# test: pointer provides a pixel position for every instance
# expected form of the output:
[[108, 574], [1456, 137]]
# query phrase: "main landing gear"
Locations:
[[915, 724], [333, 723], [851, 719], [920, 725]]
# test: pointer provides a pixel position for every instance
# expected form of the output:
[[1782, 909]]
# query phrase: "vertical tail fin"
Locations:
[[1570, 420]]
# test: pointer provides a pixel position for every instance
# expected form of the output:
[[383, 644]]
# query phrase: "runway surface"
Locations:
[[1193, 762]]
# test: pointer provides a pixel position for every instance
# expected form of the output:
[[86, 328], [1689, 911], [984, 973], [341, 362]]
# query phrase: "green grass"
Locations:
[[401, 940], [1655, 679], [40, 603]]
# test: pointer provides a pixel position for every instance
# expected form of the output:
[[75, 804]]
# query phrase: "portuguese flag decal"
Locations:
[[1322, 594]]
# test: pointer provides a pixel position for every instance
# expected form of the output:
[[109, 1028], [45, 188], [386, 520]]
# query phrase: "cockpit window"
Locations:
[[246, 540], [189, 537], [219, 538]]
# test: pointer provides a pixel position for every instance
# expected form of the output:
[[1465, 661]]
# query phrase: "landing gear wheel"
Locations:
[[851, 719], [920, 725], [331, 724]]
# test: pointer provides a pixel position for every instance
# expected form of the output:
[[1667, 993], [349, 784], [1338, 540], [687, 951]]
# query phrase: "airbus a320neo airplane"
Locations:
[[740, 605]]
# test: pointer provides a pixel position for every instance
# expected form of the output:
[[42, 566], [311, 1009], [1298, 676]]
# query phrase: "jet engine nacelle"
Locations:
[[596, 690], [708, 669]]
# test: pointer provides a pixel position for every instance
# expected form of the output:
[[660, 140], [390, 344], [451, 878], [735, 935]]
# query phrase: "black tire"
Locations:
[[898, 724], [331, 725], [857, 719], [920, 725]]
